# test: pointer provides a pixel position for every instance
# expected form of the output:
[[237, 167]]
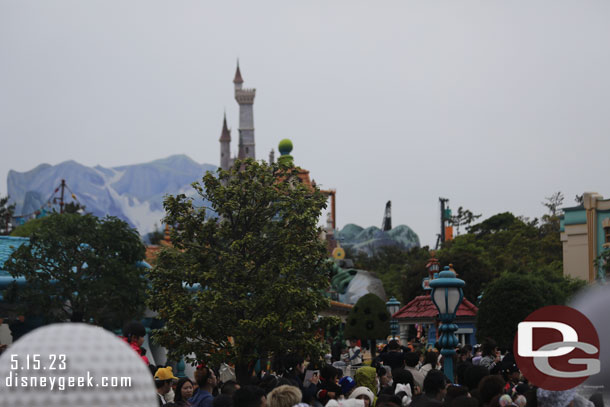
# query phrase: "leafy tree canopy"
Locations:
[[29, 227], [501, 243], [510, 298], [80, 268], [249, 283], [369, 319]]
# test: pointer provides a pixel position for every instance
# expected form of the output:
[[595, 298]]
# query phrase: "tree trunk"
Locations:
[[373, 348]]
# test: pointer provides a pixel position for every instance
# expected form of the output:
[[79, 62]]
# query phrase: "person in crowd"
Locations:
[[463, 401], [386, 380], [394, 357], [366, 376], [411, 361], [184, 391], [404, 386], [490, 387], [464, 360], [434, 390], [473, 376], [490, 356], [163, 382], [430, 362], [354, 353], [328, 387], [249, 396], [134, 334], [347, 384], [363, 393], [294, 374], [454, 391], [206, 382], [284, 396], [225, 398]]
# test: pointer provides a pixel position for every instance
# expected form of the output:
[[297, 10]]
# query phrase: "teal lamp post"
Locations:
[[393, 306], [447, 295]]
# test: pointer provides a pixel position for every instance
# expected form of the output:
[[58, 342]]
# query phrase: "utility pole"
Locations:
[[61, 199]]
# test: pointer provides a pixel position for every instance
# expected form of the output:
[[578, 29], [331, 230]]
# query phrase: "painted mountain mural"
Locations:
[[371, 239], [133, 193]]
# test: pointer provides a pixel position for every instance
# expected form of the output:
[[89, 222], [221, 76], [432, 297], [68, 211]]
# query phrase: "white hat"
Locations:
[[362, 390]]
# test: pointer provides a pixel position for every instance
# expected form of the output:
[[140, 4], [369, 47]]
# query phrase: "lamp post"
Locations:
[[447, 295], [393, 306]]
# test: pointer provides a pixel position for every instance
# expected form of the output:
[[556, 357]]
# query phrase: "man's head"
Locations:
[[163, 379], [205, 378], [294, 363], [394, 345], [284, 396], [435, 384], [229, 387], [411, 359], [249, 396]]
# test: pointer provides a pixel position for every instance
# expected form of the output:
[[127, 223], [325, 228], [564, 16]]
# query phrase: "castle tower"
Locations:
[[225, 145], [245, 99]]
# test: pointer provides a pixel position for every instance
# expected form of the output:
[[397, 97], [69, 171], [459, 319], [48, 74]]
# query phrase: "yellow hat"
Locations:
[[165, 373]]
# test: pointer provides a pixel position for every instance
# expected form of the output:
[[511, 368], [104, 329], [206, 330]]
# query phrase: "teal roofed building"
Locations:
[[585, 234]]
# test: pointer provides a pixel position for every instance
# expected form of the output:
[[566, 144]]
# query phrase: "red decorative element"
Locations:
[[423, 307]]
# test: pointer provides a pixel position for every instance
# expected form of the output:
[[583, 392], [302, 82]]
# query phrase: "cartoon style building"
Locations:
[[585, 234], [246, 147]]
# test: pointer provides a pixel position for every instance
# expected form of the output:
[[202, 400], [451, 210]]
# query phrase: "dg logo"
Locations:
[[557, 348]]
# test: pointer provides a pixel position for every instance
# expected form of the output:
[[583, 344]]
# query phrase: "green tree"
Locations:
[[81, 268], [368, 320], [6, 216], [28, 228], [510, 298], [464, 217], [247, 284]]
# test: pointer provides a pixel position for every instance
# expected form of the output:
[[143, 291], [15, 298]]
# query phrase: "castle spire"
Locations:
[[226, 133], [238, 79]]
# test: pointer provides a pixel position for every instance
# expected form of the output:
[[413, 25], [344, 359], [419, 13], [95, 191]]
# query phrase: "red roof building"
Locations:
[[421, 314]]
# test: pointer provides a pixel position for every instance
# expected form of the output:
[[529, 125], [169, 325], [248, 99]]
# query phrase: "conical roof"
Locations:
[[226, 133]]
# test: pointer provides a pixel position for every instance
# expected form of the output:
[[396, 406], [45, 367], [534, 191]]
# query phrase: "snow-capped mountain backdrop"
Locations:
[[133, 193]]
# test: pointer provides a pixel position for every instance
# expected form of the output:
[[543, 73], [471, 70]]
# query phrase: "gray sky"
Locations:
[[494, 105]]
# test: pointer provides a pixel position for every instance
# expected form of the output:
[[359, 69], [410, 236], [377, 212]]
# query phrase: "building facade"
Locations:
[[585, 234]]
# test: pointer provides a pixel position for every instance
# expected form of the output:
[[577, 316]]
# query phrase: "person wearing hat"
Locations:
[[347, 384], [163, 381], [363, 393]]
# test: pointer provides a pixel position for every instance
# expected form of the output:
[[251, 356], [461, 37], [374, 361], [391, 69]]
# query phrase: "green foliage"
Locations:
[[368, 320], [464, 217], [6, 215], [256, 274], [80, 268], [29, 227], [510, 298], [156, 236], [501, 243]]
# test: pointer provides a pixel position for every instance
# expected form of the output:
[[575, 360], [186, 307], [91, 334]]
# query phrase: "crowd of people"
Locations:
[[398, 377]]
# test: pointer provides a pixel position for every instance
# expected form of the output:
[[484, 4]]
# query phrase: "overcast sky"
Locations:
[[492, 104]]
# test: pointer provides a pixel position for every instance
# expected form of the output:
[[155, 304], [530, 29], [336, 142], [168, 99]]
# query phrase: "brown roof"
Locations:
[[226, 134], [238, 78]]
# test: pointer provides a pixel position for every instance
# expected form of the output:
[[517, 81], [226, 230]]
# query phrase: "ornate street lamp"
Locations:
[[393, 306], [447, 295]]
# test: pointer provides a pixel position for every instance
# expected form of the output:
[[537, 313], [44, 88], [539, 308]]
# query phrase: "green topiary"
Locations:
[[369, 319]]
